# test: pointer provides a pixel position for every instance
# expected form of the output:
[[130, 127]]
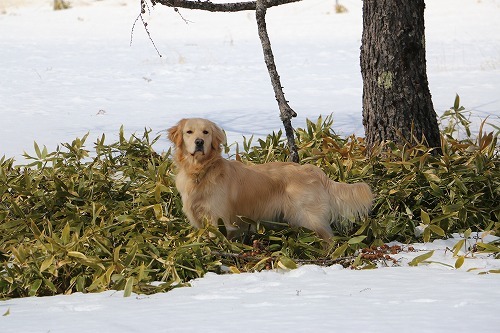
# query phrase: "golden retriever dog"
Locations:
[[213, 188]]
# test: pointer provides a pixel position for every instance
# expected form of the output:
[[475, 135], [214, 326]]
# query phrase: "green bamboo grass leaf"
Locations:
[[363, 227], [421, 258], [494, 271], [467, 233], [127, 291], [458, 247], [437, 230], [456, 104], [439, 263], [37, 150], [65, 236], [488, 247], [340, 251], [34, 287], [131, 256], [158, 210], [191, 245], [431, 177], [444, 217], [77, 254], [452, 208], [234, 270], [260, 264], [141, 272], [427, 235], [44, 152], [48, 283], [36, 231], [247, 220], [438, 192], [425, 217], [46, 263], [356, 240], [459, 262], [357, 262], [286, 263]]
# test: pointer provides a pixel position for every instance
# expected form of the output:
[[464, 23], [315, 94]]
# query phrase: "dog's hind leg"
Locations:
[[316, 219]]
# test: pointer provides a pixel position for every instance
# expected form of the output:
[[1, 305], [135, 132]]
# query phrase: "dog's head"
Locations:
[[196, 137]]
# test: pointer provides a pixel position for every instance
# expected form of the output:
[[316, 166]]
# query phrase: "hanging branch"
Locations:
[[260, 7], [286, 112], [219, 7], [144, 5]]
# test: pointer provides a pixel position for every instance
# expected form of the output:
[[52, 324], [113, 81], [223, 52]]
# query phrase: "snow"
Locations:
[[432, 297], [66, 73]]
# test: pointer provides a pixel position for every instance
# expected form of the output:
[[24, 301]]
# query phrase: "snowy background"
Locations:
[[66, 73]]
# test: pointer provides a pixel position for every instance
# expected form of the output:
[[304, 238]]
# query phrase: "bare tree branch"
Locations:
[[286, 112], [219, 7], [144, 5], [260, 7]]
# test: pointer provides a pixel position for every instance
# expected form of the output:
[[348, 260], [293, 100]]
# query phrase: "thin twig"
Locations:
[[145, 25], [182, 17]]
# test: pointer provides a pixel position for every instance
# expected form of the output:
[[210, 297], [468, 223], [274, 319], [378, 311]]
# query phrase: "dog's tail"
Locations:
[[350, 201]]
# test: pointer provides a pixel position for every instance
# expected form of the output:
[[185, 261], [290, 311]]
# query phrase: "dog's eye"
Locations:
[[205, 132], [189, 132]]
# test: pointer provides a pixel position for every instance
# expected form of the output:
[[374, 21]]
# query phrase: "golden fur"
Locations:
[[214, 188]]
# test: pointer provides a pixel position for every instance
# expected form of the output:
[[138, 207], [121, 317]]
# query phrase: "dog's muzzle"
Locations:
[[198, 145]]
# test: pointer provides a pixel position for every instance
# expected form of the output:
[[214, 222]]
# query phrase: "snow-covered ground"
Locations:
[[432, 297], [66, 73]]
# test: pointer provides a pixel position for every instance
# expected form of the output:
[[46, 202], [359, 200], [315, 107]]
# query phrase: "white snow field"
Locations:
[[432, 297], [66, 73]]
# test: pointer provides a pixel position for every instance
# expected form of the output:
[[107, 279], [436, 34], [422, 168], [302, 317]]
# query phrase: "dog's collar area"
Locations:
[[198, 176]]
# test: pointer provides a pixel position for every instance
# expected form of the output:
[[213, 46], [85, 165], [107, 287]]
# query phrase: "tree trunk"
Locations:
[[397, 103]]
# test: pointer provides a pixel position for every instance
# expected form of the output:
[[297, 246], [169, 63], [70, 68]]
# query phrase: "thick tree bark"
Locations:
[[397, 103]]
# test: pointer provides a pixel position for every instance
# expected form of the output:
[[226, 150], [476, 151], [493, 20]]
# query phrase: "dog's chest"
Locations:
[[193, 189]]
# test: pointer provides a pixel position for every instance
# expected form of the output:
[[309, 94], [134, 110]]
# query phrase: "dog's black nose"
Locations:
[[199, 142]]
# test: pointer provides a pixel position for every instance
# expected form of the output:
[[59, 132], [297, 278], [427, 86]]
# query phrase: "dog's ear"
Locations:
[[175, 133], [218, 137]]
